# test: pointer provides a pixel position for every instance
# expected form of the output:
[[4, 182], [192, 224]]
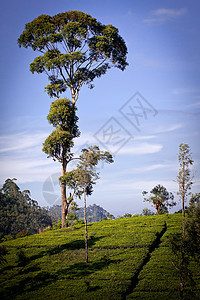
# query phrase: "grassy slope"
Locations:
[[117, 252]]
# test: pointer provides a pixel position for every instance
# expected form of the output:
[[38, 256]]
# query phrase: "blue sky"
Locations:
[[163, 76]]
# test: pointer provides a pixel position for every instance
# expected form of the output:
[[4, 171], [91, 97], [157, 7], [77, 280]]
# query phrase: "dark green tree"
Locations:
[[192, 226], [18, 212], [160, 198], [181, 262], [75, 49], [82, 179], [186, 248]]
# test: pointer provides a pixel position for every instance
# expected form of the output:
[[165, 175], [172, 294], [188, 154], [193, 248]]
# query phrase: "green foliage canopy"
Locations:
[[62, 115], [75, 48], [85, 175]]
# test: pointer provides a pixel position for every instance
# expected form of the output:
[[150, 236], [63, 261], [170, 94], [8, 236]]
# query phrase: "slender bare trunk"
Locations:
[[183, 201], [183, 215], [85, 219], [63, 197], [181, 275]]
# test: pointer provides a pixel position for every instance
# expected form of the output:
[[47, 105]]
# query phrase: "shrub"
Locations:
[[22, 258], [22, 234], [48, 228], [3, 252], [8, 237], [57, 225]]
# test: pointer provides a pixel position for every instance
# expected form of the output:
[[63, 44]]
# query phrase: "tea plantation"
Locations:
[[129, 258]]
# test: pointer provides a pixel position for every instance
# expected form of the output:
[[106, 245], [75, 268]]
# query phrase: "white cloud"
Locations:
[[136, 148], [148, 168], [22, 157], [140, 149], [162, 15], [21, 141], [26, 170], [134, 186], [194, 105], [169, 128], [153, 170], [142, 137], [189, 90], [166, 12]]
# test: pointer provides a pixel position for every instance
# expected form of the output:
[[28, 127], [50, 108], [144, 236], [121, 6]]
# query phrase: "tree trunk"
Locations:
[[181, 276], [63, 197], [183, 215], [85, 219], [73, 96], [183, 201], [157, 208]]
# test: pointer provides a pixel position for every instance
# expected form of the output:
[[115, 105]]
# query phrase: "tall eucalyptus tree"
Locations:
[[74, 49]]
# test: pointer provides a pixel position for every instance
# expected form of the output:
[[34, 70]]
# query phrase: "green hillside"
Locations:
[[129, 258]]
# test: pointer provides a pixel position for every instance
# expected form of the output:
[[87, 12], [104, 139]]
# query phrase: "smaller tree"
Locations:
[[82, 179], [127, 215], [184, 177], [160, 198], [147, 212], [187, 247], [110, 216], [181, 262], [192, 226]]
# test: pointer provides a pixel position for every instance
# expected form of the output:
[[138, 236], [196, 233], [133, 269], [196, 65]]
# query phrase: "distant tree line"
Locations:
[[19, 214]]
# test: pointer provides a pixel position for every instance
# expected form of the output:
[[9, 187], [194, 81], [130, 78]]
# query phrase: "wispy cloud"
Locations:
[[195, 105], [27, 170], [162, 15], [144, 137], [169, 128], [140, 149], [136, 148], [168, 167], [21, 141], [189, 90], [149, 168], [139, 185], [21, 157]]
